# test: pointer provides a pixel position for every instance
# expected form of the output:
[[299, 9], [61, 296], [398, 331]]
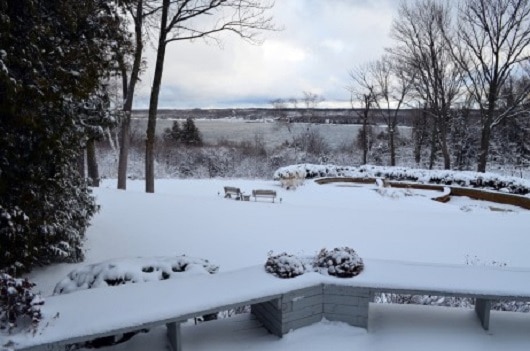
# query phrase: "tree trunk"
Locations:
[[484, 147], [443, 142], [153, 102], [365, 140], [128, 93], [124, 150], [391, 144], [92, 163], [434, 133]]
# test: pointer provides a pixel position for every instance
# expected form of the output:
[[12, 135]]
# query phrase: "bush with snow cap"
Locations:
[[18, 301], [341, 262], [284, 265], [132, 270]]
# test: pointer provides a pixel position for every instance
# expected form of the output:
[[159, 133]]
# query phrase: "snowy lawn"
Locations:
[[191, 217]]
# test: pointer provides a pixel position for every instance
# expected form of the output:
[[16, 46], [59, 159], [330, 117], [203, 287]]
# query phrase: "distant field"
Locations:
[[272, 133]]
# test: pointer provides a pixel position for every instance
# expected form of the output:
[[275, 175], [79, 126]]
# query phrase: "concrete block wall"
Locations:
[[347, 304], [302, 308], [307, 306]]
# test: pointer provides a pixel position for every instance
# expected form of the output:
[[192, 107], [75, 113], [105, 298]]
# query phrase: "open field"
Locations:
[[272, 133]]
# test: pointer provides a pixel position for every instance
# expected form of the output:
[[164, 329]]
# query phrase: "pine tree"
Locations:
[[53, 57], [190, 134], [174, 133]]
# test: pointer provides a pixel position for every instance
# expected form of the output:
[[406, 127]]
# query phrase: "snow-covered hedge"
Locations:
[[132, 270], [341, 262], [18, 301], [444, 177]]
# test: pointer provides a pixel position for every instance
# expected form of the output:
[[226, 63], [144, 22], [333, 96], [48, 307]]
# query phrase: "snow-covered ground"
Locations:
[[191, 217]]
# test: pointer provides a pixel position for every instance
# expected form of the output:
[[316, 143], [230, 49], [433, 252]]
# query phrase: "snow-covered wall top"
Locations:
[[493, 181]]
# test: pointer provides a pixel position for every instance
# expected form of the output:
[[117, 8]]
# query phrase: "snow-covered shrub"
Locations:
[[18, 301], [284, 265], [491, 181], [342, 262], [134, 270], [292, 178]]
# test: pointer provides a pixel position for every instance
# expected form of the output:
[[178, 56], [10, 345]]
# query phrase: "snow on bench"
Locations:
[[280, 304]]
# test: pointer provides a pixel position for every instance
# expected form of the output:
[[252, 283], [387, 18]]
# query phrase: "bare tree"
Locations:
[[194, 19], [311, 101], [363, 97], [423, 52], [138, 11], [392, 86], [492, 43]]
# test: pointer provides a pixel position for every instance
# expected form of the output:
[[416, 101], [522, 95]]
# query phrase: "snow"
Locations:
[[191, 217]]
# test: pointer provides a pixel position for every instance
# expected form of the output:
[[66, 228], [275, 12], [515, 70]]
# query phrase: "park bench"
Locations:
[[281, 305], [233, 191], [264, 193]]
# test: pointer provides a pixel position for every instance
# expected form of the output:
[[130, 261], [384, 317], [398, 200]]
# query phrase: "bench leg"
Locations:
[[173, 336], [482, 309]]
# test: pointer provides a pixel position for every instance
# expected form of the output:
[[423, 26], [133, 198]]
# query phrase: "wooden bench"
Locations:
[[264, 193], [233, 191]]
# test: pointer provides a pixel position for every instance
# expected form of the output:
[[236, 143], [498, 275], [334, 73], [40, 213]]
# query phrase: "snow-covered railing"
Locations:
[[487, 180], [280, 304]]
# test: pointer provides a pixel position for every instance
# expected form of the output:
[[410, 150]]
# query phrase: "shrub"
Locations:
[[134, 270], [284, 265], [341, 262], [17, 301]]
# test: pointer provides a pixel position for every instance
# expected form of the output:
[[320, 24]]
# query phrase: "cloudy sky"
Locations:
[[320, 42]]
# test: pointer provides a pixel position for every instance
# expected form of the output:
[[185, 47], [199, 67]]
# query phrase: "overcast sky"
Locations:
[[320, 42]]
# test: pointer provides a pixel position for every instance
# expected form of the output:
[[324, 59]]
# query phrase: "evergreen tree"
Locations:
[[174, 133], [190, 134], [53, 57]]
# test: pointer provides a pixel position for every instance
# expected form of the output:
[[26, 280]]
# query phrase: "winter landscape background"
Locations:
[[189, 216]]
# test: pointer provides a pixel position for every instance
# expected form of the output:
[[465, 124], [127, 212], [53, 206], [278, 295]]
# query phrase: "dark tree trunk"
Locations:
[[434, 132], [153, 102], [92, 163], [443, 142], [485, 136], [392, 143], [128, 93]]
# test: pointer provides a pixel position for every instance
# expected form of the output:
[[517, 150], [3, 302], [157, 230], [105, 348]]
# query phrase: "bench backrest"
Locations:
[[263, 193], [231, 189]]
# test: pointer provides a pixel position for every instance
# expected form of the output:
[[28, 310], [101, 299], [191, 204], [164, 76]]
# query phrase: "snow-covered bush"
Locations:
[[134, 270], [284, 265], [17, 301], [492, 181], [342, 262]]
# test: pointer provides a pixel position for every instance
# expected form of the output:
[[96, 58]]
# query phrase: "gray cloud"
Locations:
[[321, 41]]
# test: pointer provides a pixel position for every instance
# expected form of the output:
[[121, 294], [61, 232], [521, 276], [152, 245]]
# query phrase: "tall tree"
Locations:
[[194, 19], [491, 44], [55, 55], [363, 91], [390, 86], [424, 53], [139, 11]]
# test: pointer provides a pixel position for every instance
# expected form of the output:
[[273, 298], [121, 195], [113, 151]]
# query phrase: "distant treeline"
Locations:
[[405, 117]]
